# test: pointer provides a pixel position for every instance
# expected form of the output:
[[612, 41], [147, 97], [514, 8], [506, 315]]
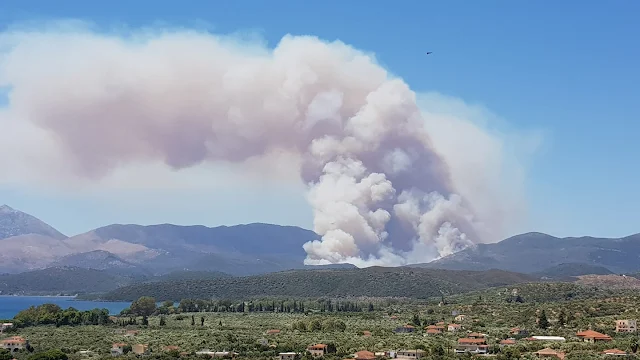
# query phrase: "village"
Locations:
[[468, 342]]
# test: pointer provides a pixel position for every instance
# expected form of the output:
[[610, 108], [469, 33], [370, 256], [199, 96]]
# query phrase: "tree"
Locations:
[[163, 322], [202, 321], [193, 320], [144, 306], [561, 318], [53, 354], [145, 321], [370, 307], [416, 319], [543, 322], [5, 355]]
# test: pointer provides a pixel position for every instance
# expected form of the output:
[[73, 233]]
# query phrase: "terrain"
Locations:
[[535, 252]]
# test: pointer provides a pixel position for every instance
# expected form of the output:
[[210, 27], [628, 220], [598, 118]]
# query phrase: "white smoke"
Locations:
[[388, 181]]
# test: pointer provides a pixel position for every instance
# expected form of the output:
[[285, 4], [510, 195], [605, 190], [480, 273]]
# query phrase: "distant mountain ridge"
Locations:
[[251, 249], [535, 252], [16, 223]]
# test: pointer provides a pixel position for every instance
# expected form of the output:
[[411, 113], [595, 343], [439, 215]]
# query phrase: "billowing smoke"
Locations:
[[380, 192]]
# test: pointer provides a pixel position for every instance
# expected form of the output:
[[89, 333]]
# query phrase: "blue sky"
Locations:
[[567, 68]]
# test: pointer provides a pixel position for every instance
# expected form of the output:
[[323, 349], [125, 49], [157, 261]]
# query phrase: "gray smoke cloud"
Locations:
[[380, 190]]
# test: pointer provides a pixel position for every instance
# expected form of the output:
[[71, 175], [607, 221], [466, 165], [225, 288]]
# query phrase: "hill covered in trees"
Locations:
[[373, 282]]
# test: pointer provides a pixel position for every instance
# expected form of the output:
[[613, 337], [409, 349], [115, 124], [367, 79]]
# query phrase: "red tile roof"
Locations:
[[508, 342], [365, 355], [614, 352], [317, 347], [590, 334], [471, 341]]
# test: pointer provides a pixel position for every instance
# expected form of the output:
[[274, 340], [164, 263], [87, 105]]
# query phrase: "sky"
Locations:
[[565, 71]]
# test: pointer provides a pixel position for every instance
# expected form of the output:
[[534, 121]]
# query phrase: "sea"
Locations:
[[11, 305]]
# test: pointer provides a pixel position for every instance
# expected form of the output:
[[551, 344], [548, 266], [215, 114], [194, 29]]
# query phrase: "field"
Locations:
[[568, 308]]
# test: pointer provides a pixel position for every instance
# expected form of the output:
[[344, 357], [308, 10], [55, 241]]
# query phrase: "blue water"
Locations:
[[11, 305]]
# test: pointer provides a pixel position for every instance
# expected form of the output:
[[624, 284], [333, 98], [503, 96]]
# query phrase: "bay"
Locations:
[[11, 305]]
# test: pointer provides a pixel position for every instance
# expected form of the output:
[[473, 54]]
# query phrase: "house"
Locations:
[[547, 338], [117, 349], [614, 352], [317, 349], [475, 335], [435, 327], [272, 332], [410, 354], [441, 323], [5, 326], [364, 355], [14, 343], [550, 353], [626, 326], [460, 318], [130, 333], [171, 348], [472, 345], [405, 329], [433, 331], [453, 327], [366, 333], [519, 332], [287, 356], [593, 336], [140, 349], [507, 342]]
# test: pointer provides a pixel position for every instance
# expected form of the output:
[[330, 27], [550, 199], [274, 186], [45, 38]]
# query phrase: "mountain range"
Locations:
[[138, 251]]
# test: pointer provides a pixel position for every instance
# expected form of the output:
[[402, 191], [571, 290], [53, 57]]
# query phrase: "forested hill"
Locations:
[[374, 282]]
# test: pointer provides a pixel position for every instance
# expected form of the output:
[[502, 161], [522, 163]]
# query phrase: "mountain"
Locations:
[[29, 244], [572, 270], [77, 280], [16, 223], [373, 281], [238, 250], [534, 252]]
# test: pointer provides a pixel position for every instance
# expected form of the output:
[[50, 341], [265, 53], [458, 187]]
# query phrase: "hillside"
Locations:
[[572, 270], [375, 281], [534, 252]]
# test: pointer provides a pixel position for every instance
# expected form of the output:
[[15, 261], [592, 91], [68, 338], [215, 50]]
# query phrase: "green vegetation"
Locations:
[[50, 314], [373, 282]]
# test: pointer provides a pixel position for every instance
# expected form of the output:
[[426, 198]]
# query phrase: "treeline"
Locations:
[[51, 314], [146, 306]]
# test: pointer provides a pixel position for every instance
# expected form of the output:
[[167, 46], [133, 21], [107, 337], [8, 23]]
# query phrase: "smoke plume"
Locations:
[[380, 190]]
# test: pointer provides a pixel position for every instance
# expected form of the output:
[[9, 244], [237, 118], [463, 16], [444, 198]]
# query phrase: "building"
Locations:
[[14, 343], [593, 336], [272, 332], [507, 342], [550, 353], [364, 355], [626, 326], [171, 348], [140, 349], [117, 349], [317, 349], [366, 333], [614, 352], [5, 326], [287, 356], [518, 332], [405, 329], [453, 327], [433, 331], [472, 345], [410, 354], [460, 318]]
